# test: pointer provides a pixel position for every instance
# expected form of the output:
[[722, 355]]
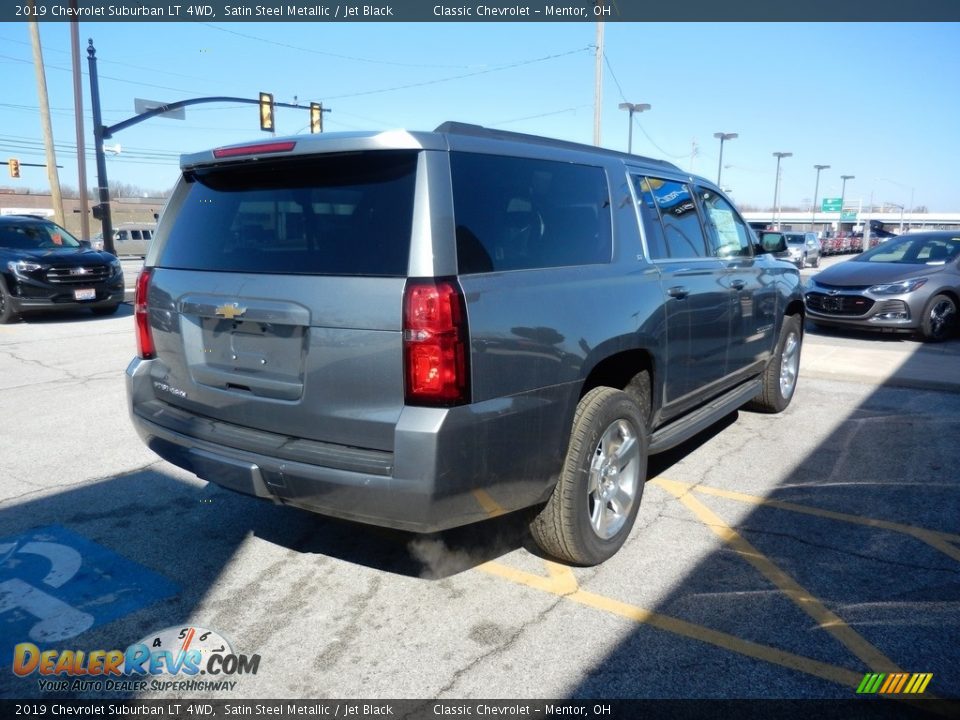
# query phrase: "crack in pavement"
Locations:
[[63, 487]]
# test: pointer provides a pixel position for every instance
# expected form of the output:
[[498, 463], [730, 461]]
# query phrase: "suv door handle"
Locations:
[[678, 291], [738, 284]]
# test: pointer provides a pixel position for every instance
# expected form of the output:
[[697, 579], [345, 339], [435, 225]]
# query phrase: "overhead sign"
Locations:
[[848, 215], [141, 106], [831, 205]]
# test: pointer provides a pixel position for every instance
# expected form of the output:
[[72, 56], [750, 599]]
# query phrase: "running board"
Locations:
[[700, 419]]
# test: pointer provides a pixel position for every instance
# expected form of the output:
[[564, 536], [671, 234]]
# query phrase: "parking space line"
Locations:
[[490, 506], [561, 582], [937, 539], [805, 600]]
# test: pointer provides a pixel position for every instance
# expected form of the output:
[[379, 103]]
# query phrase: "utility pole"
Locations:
[[776, 186], [816, 189], [598, 85], [722, 136], [103, 190], [632, 108], [52, 175], [78, 113]]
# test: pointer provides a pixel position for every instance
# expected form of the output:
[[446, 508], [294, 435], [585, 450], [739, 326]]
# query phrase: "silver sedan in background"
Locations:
[[910, 283]]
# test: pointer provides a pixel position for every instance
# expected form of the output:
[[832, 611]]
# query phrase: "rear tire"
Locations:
[[7, 313], [595, 502], [939, 318], [780, 377]]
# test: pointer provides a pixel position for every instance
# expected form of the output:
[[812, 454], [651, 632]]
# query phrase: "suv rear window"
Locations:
[[517, 213], [347, 214]]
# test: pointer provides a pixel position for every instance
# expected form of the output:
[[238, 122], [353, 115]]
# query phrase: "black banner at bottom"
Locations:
[[868, 709]]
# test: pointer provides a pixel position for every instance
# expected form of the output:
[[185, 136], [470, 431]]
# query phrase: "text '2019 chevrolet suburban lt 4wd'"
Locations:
[[421, 330]]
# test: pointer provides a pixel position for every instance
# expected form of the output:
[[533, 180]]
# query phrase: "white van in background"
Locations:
[[129, 238]]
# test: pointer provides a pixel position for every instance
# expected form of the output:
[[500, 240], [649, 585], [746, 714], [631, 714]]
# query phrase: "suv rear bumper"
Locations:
[[449, 467]]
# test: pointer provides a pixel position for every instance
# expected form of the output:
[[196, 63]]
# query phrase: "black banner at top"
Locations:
[[479, 11]]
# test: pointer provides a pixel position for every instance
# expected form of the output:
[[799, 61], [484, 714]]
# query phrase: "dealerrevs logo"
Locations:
[[182, 653]]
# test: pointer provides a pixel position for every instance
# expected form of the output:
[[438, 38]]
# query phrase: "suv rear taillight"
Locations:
[[435, 343], [141, 314]]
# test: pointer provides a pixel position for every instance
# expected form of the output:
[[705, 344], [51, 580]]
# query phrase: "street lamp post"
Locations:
[[776, 185], [816, 189], [900, 185], [898, 205], [722, 137], [632, 108], [843, 195]]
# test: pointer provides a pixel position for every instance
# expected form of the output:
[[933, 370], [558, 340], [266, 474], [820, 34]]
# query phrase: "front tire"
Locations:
[[780, 376], [595, 501], [7, 313], [939, 318]]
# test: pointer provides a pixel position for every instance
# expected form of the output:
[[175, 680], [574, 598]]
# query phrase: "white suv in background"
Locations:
[[803, 249]]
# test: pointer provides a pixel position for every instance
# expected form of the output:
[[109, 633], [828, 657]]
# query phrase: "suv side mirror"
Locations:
[[772, 242], [86, 244]]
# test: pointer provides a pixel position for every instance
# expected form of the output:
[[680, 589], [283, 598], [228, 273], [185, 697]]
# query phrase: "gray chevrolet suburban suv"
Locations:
[[424, 330]]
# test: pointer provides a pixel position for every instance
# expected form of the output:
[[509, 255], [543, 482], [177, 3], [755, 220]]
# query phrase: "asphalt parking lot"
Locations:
[[782, 556]]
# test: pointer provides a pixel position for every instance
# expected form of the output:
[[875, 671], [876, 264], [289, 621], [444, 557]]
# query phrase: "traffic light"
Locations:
[[14, 166], [316, 117], [266, 111]]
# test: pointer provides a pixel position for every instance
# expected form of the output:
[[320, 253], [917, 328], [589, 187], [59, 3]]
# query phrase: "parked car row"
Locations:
[[842, 243]]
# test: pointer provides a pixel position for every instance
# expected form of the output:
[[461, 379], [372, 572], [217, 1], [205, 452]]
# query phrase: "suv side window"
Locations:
[[682, 232], [726, 230], [650, 217], [518, 213]]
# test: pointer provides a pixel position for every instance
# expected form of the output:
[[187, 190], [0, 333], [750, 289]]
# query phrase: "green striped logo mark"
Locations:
[[894, 683]]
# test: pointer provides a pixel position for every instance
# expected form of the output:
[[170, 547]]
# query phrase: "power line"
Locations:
[[451, 78], [352, 58], [636, 120], [539, 115]]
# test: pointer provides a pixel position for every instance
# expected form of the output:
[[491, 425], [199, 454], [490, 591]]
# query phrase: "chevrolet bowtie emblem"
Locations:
[[231, 311]]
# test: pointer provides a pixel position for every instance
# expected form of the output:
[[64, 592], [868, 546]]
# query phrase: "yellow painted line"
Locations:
[[923, 685], [935, 538], [490, 506], [805, 600], [559, 583], [565, 581], [553, 585]]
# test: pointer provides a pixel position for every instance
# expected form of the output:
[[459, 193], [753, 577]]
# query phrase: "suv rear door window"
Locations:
[[345, 214], [518, 213], [683, 235]]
